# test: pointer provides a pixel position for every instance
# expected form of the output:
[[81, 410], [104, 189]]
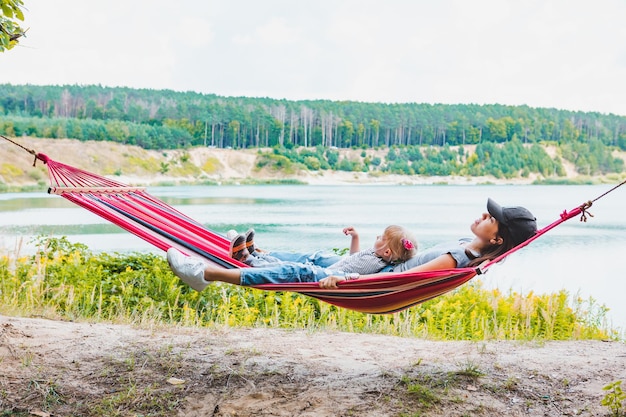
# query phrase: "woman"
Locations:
[[495, 232]]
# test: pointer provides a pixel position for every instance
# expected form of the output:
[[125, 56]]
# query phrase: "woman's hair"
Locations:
[[402, 244], [494, 251]]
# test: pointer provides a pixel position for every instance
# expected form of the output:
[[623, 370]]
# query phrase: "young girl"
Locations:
[[395, 245], [246, 252]]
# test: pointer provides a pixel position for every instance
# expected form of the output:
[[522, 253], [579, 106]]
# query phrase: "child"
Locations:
[[363, 261]]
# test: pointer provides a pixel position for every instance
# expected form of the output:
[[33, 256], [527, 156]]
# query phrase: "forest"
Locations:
[[422, 138]]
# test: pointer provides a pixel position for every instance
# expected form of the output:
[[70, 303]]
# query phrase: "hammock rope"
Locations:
[[138, 212]]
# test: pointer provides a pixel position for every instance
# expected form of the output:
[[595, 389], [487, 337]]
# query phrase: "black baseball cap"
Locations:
[[518, 220]]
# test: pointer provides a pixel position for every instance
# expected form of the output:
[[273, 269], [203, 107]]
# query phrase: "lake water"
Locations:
[[581, 257]]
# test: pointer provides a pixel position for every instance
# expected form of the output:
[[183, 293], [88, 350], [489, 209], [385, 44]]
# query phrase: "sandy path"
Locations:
[[271, 372]]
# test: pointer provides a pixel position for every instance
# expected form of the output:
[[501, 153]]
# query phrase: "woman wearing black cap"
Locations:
[[495, 232]]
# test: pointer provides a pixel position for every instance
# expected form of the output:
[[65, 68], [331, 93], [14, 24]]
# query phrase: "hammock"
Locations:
[[161, 225]]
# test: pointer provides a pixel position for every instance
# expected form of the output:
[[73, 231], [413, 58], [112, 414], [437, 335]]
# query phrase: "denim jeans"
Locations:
[[319, 258], [285, 272]]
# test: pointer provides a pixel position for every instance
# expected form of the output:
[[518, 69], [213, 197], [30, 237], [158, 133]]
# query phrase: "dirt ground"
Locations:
[[57, 368]]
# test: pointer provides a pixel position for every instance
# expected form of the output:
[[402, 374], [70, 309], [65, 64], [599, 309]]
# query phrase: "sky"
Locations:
[[564, 54]]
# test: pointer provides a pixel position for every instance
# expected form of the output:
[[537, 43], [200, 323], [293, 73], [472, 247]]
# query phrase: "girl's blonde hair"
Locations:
[[401, 243]]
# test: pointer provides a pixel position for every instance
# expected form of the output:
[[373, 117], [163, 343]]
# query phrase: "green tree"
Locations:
[[10, 30]]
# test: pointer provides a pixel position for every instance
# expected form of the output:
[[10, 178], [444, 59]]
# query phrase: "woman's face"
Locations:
[[486, 228]]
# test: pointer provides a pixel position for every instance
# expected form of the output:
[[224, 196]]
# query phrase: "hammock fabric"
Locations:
[[161, 225]]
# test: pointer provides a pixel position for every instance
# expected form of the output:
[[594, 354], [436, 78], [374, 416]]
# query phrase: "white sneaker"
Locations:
[[189, 270], [231, 234]]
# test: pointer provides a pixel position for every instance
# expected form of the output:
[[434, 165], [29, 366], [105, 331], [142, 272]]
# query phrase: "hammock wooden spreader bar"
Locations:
[[137, 212], [161, 225]]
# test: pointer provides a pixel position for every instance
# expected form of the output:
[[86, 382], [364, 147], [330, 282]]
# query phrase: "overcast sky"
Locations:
[[567, 54]]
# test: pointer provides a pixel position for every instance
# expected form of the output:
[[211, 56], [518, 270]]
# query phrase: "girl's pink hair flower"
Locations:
[[408, 245]]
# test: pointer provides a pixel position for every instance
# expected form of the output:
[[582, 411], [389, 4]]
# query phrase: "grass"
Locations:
[[212, 165], [565, 181], [66, 281], [437, 389]]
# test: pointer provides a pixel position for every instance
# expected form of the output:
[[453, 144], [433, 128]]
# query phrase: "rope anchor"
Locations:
[[584, 212], [30, 151]]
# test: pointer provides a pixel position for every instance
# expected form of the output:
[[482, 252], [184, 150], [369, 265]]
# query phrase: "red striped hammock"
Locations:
[[161, 225]]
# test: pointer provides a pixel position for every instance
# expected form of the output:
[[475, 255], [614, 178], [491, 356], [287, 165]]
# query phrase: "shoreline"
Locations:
[[338, 178], [195, 166]]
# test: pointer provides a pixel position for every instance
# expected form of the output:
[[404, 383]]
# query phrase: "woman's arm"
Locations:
[[445, 261]]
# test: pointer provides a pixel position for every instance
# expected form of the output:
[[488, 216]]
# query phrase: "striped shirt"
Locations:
[[363, 262]]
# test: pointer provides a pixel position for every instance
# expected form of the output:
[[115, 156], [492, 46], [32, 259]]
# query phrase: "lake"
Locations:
[[580, 257]]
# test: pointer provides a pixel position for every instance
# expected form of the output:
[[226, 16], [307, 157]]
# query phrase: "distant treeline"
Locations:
[[163, 119]]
